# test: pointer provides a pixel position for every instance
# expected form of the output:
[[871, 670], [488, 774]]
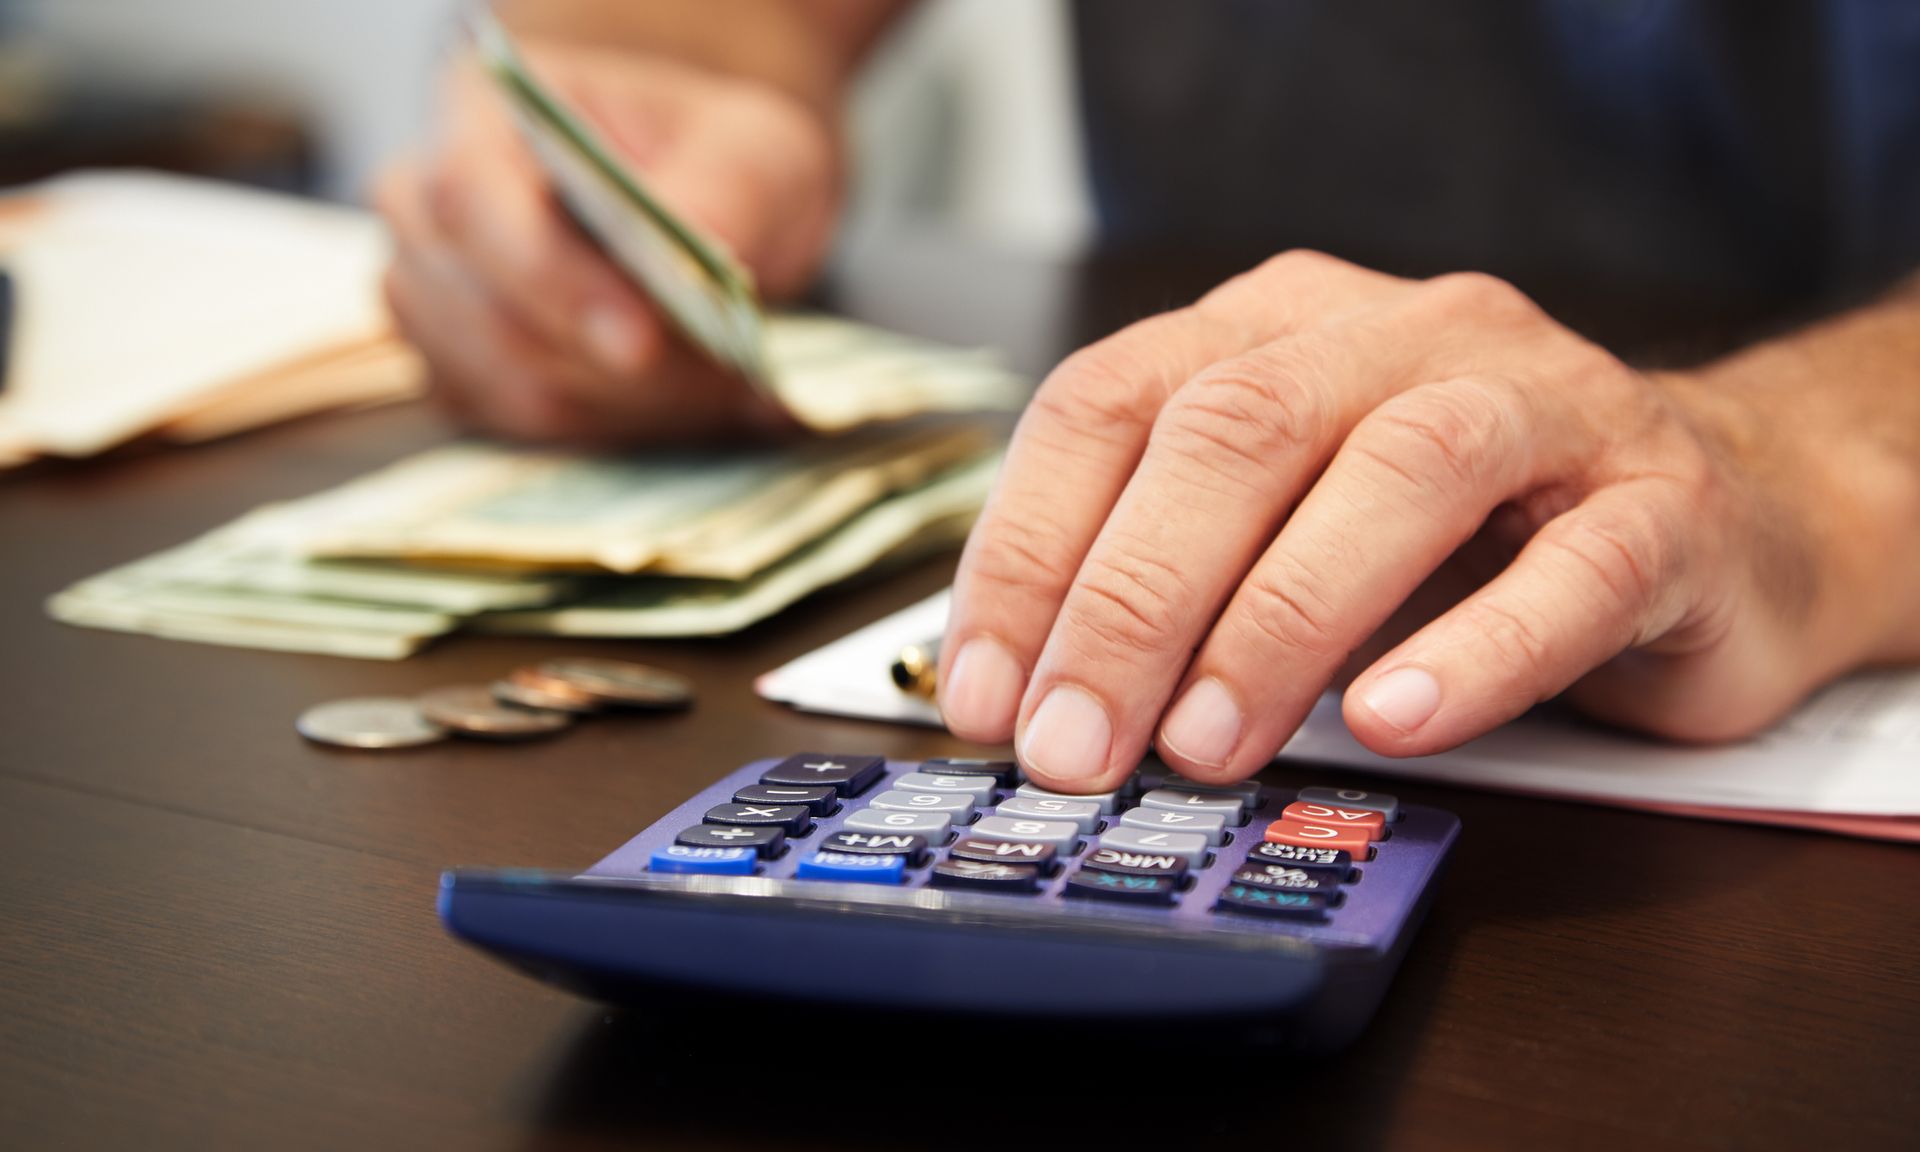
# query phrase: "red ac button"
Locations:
[[1307, 812]]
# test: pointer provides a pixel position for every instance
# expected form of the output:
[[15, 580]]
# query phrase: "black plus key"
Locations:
[[1002, 770], [792, 819], [907, 844], [1130, 863], [820, 799], [766, 840], [1268, 902], [1016, 878], [1286, 878], [847, 775], [1119, 886], [1004, 852], [1301, 856]]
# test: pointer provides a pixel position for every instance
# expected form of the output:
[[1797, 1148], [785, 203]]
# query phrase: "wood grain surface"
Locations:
[[215, 935]]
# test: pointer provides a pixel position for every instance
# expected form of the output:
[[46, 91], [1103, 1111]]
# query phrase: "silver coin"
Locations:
[[523, 694], [471, 710], [622, 682], [369, 722]]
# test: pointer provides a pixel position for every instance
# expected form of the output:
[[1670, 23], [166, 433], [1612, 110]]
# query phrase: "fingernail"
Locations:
[[1204, 725], [1068, 737], [1404, 697], [612, 339], [982, 690]]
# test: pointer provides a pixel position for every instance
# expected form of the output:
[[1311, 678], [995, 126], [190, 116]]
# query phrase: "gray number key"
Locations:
[[1224, 804], [1108, 801], [956, 805], [978, 787], [1211, 825], [1186, 845], [933, 825], [1082, 814], [1064, 837]]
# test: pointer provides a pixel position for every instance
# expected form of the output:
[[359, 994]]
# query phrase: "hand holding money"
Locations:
[[529, 327]]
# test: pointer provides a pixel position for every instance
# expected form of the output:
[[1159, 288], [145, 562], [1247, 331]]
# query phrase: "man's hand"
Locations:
[[1204, 516], [529, 330]]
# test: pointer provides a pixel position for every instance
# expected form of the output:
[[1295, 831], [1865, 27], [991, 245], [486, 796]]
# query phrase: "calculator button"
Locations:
[[1104, 859], [1379, 802], [792, 819], [848, 775], [1354, 840], [1186, 845], [859, 867], [1082, 814], [766, 840], [712, 861], [1004, 771], [1269, 902], [1302, 855], [1284, 878], [1108, 801], [1003, 852], [821, 800], [1308, 813], [1022, 878], [933, 825], [980, 788], [1152, 778], [1121, 886], [911, 847], [1225, 804], [1209, 824], [956, 806], [1061, 836]]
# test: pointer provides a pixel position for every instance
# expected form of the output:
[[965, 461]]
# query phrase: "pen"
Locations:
[[916, 669]]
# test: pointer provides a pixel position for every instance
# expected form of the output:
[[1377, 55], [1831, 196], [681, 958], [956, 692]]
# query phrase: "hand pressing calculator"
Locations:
[[952, 886]]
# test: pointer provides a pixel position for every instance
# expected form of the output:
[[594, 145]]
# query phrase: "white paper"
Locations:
[[1853, 749]]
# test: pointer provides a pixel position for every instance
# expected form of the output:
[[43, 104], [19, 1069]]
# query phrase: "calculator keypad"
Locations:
[[1160, 842]]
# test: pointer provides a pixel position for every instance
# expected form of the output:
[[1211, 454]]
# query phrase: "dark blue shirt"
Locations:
[[1751, 153]]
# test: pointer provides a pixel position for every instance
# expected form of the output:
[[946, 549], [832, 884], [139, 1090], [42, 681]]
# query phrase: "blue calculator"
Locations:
[[953, 886]]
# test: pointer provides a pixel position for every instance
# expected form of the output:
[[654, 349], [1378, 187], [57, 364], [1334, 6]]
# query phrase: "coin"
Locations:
[[369, 722], [471, 710], [529, 688], [621, 682]]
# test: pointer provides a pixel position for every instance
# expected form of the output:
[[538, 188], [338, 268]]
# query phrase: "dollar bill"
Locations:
[[830, 374]]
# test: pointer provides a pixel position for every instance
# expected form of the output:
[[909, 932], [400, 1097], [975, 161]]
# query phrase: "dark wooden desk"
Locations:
[[213, 934]]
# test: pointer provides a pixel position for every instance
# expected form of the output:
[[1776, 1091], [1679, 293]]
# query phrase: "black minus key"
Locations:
[[1120, 886], [821, 800], [1005, 771], [907, 844], [767, 840], [793, 819], [1015, 878], [847, 775], [1004, 852], [1268, 902]]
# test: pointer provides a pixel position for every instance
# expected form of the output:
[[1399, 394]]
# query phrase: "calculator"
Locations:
[[955, 886]]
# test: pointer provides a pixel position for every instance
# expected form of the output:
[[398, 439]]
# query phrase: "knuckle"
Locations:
[[1290, 271], [1280, 606], [1252, 411], [1016, 554], [1096, 390], [1439, 437], [1513, 633], [1131, 602], [1633, 556], [1480, 294]]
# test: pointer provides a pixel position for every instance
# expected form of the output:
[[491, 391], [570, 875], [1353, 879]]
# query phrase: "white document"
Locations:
[[1847, 761]]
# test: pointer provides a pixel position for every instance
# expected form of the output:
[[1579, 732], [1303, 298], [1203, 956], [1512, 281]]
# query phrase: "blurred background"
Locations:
[[963, 121]]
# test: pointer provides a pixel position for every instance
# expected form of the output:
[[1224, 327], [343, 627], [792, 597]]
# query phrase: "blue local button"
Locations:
[[854, 866], [718, 861]]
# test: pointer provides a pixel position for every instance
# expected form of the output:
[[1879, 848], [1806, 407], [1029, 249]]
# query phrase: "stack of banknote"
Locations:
[[486, 538]]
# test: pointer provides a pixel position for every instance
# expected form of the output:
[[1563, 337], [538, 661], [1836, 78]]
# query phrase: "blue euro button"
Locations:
[[712, 861], [854, 866]]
